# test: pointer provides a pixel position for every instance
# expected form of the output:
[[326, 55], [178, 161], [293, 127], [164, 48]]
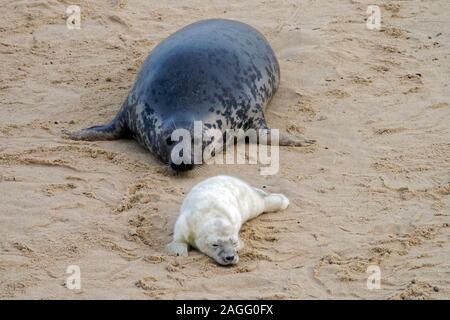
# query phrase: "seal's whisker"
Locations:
[[174, 126]]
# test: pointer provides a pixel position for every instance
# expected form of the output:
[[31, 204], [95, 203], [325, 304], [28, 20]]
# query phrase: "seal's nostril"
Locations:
[[181, 167], [229, 258]]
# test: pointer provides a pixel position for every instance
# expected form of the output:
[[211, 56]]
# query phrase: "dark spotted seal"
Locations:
[[220, 72]]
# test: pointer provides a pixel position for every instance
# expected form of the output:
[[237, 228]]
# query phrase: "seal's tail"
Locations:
[[275, 202], [112, 131]]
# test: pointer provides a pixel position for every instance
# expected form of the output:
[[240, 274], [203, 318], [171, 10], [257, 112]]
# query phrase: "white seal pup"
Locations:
[[213, 213]]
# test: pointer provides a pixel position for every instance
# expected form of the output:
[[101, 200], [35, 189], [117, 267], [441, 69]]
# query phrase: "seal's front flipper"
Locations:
[[294, 141], [177, 248], [270, 137], [287, 140]]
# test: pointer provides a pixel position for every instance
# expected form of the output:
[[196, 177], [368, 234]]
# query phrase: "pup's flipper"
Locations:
[[274, 202], [261, 192], [177, 248]]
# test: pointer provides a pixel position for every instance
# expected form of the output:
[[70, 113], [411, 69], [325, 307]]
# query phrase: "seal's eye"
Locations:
[[215, 245], [169, 141]]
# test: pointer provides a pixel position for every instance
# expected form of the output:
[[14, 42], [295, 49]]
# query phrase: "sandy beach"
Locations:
[[373, 191]]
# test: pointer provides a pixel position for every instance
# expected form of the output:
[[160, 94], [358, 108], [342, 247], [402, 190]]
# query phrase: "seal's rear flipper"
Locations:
[[177, 248], [262, 193], [274, 202], [105, 132], [112, 131]]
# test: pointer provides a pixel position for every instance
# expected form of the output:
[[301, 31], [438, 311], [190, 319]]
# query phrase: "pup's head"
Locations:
[[222, 249]]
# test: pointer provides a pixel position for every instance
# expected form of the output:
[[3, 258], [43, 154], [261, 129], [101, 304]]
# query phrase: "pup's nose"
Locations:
[[229, 258]]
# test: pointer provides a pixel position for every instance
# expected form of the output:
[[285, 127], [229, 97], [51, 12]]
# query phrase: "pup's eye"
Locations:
[[215, 245]]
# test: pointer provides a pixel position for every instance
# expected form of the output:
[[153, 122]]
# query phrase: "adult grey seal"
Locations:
[[217, 71]]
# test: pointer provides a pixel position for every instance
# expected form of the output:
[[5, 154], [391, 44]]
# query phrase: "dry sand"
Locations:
[[373, 191]]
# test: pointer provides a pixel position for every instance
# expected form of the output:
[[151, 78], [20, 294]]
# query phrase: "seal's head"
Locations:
[[179, 145], [177, 155], [222, 249], [182, 143]]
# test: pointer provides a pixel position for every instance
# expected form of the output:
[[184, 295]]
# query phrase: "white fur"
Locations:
[[214, 212]]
